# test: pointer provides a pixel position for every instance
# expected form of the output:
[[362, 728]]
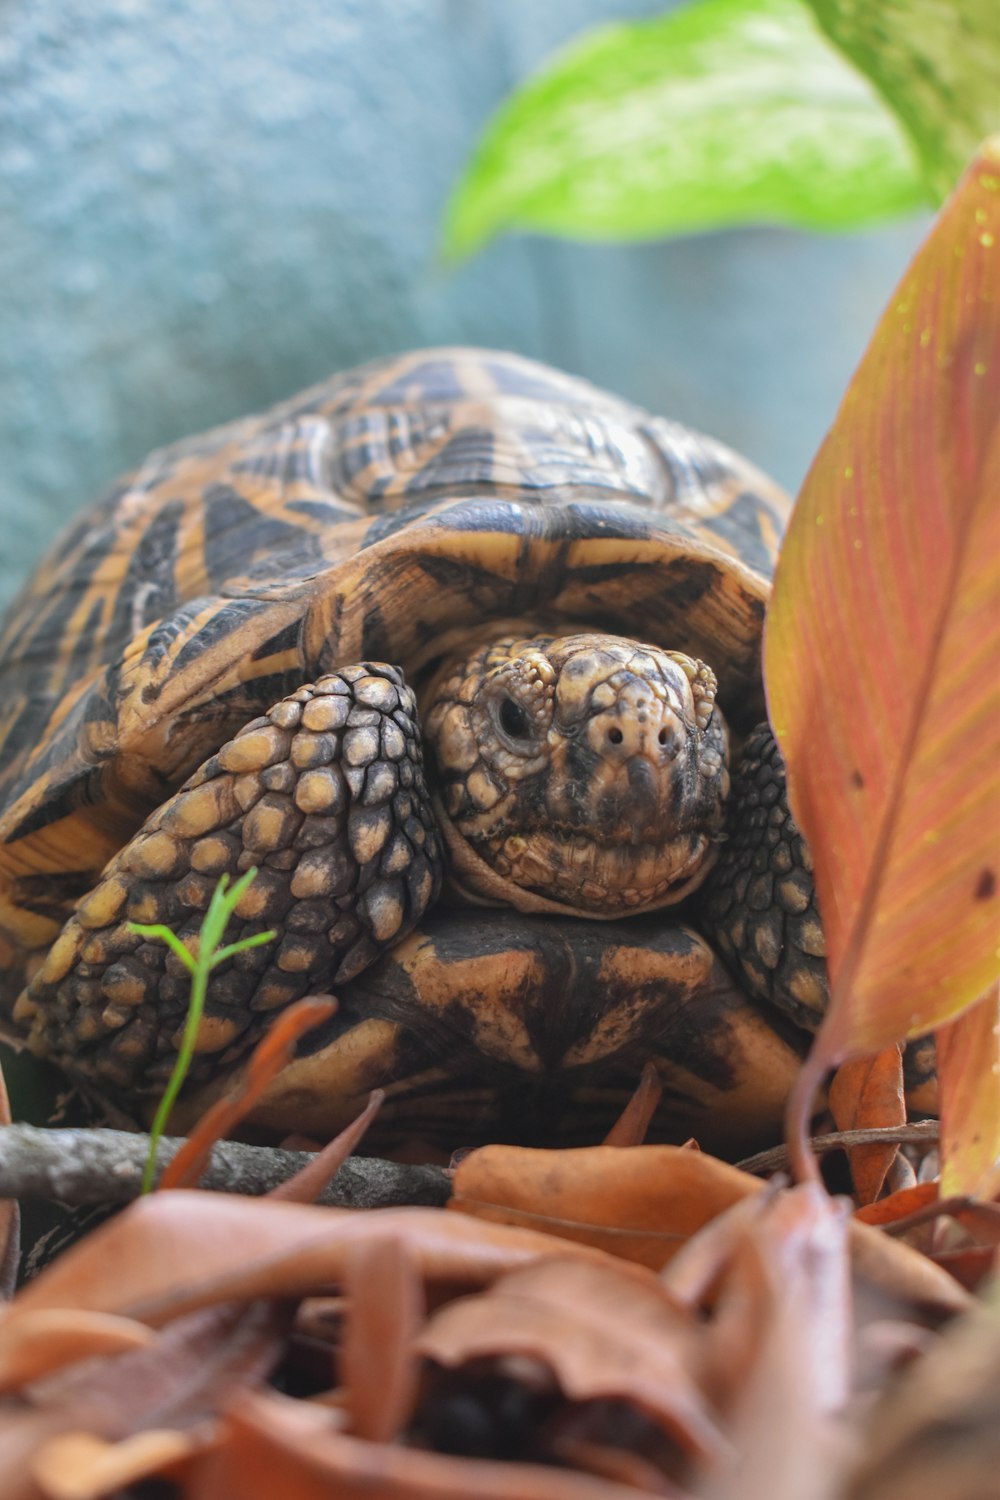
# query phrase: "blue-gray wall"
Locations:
[[205, 204]]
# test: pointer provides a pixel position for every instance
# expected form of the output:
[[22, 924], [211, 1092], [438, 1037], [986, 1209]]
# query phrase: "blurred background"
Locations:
[[207, 204]]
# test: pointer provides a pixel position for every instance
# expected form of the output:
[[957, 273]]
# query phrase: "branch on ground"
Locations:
[[78, 1167]]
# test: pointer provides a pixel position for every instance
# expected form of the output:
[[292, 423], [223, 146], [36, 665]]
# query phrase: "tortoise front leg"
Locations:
[[759, 902], [759, 907], [326, 796]]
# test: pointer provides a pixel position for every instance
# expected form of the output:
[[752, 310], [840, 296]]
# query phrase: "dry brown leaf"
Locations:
[[641, 1203], [617, 1465], [49, 1338], [867, 1093], [181, 1377], [981, 1220], [378, 1365], [795, 1251], [695, 1272], [604, 1333], [23, 1432], [895, 1271], [920, 1205], [936, 1433], [777, 1354], [79, 1466], [277, 1447], [174, 1252], [973, 1267], [171, 1383]]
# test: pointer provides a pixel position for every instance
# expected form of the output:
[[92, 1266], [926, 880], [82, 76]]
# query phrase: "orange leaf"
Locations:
[[968, 1051], [639, 1202], [52, 1337], [635, 1119], [881, 649], [644, 1203], [80, 1466], [171, 1253], [867, 1093], [898, 1205]]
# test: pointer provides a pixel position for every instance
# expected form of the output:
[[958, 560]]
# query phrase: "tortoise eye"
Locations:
[[513, 720]]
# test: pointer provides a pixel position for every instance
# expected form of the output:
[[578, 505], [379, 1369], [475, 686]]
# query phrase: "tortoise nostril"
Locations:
[[663, 736], [615, 736]]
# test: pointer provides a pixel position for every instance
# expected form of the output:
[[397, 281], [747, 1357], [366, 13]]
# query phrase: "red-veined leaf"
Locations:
[[968, 1053], [881, 650]]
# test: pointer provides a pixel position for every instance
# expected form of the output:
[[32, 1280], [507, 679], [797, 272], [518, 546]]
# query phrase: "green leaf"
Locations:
[[220, 908], [256, 940], [936, 62], [173, 942], [724, 112]]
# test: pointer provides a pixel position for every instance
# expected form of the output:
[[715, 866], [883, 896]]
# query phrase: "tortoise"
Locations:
[[564, 882]]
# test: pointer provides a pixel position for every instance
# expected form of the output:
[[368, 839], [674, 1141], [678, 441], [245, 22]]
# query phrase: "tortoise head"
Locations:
[[583, 774]]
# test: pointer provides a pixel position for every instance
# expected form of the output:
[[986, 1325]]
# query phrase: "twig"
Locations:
[[778, 1159], [951, 1208], [78, 1167]]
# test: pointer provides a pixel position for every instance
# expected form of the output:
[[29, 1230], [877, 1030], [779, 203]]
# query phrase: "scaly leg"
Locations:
[[325, 795], [759, 907]]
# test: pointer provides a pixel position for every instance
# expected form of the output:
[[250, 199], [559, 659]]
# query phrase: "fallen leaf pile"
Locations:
[[623, 1319], [607, 1321]]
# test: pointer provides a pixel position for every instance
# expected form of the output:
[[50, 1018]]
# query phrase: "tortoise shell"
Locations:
[[381, 514]]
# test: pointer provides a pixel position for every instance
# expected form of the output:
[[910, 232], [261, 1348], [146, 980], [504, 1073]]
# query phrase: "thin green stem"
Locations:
[[196, 1009], [200, 965]]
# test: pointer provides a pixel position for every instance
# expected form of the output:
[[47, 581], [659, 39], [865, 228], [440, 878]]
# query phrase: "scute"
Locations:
[[376, 515]]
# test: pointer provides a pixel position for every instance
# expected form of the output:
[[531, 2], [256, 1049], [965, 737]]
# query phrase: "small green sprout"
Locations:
[[200, 966]]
